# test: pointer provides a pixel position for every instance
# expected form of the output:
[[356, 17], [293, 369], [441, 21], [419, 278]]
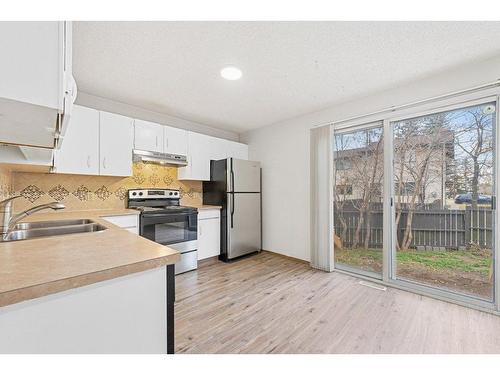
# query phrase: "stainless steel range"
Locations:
[[165, 221]]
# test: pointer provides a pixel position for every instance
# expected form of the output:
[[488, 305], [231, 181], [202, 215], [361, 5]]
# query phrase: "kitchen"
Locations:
[[165, 193], [101, 171]]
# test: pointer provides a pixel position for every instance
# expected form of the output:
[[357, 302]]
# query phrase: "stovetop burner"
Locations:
[[158, 201]]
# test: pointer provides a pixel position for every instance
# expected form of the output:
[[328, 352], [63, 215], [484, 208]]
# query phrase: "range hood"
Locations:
[[160, 158]]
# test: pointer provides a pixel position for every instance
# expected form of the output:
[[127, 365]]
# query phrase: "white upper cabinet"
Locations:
[[200, 149], [79, 152], [116, 143], [148, 136], [96, 143], [36, 83], [237, 150], [175, 141]]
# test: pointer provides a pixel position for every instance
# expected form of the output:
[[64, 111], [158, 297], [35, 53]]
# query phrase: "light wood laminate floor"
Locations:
[[271, 304]]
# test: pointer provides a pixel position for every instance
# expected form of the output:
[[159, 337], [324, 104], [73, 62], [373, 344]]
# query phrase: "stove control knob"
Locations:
[[170, 193], [140, 193], [134, 193]]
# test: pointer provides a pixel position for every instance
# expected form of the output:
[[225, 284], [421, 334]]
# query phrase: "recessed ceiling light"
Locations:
[[231, 73]]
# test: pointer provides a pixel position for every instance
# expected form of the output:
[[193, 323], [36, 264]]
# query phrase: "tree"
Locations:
[[474, 138], [363, 151], [419, 156]]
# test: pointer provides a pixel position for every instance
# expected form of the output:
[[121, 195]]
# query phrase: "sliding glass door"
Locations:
[[358, 188], [444, 191], [414, 199]]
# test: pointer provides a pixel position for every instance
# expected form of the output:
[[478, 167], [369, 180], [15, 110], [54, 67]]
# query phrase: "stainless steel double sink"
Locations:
[[37, 229]]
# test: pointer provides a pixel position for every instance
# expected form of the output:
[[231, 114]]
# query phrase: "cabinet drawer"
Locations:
[[123, 221], [188, 262], [209, 214]]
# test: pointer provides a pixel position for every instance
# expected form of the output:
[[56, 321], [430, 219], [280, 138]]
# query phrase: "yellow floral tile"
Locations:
[[79, 192]]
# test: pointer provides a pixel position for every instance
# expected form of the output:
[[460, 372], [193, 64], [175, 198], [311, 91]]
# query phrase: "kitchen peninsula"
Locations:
[[109, 291]]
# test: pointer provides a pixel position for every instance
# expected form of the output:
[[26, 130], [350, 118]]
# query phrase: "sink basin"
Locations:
[[52, 223], [44, 231]]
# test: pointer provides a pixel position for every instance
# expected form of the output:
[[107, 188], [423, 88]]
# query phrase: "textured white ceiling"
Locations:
[[289, 68]]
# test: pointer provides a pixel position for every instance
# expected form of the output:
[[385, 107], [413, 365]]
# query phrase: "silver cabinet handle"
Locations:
[[88, 161], [201, 229], [104, 162], [156, 141]]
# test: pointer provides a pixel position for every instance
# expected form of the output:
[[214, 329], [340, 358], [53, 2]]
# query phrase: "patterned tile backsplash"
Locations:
[[79, 192], [5, 183]]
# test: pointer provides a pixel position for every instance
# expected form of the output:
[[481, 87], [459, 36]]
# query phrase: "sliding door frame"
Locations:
[[389, 231]]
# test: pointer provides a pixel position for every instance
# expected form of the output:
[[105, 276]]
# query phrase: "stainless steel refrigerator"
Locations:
[[235, 185]]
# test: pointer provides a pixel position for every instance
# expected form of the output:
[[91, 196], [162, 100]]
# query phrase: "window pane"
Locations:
[[359, 166], [443, 189]]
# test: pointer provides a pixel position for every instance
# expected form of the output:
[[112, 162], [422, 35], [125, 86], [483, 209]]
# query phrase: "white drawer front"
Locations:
[[208, 214], [188, 262], [123, 221]]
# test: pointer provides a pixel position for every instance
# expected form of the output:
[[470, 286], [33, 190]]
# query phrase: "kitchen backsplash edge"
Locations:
[[5, 183], [81, 192]]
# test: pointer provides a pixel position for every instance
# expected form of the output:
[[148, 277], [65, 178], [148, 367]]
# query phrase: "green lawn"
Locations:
[[463, 261]]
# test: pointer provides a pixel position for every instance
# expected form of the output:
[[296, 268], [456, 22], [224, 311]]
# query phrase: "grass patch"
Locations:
[[463, 261]]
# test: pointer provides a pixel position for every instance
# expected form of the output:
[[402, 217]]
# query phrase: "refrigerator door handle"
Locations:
[[232, 177], [232, 209]]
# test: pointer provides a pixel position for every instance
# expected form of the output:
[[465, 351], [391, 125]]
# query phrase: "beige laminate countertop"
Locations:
[[42, 266]]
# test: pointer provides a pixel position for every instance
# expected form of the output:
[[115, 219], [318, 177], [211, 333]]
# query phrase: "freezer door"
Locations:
[[243, 176], [243, 224]]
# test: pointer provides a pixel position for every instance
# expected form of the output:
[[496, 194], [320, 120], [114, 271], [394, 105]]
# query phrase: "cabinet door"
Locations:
[[175, 141], [116, 142], [148, 136], [31, 67], [199, 154], [79, 152], [238, 150], [208, 238], [32, 71], [220, 149]]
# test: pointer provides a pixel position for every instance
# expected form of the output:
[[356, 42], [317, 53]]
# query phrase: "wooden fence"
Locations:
[[437, 229]]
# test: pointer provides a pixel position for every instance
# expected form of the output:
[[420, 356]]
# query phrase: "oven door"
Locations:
[[168, 229]]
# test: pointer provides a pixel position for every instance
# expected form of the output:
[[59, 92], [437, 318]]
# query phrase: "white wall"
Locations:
[[283, 149], [124, 109]]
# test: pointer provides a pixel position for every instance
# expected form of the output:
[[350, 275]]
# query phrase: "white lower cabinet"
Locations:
[[208, 233], [128, 222]]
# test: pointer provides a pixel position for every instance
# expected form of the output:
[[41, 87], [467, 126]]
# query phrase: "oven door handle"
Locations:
[[164, 215]]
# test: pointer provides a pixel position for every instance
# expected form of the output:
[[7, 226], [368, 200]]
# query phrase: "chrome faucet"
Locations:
[[7, 221]]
